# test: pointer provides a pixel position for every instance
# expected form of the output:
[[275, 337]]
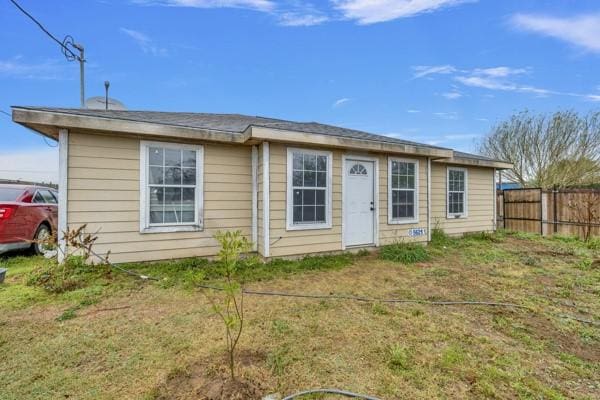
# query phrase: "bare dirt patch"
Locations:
[[207, 380]]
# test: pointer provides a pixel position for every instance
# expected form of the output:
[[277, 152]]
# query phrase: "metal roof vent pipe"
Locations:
[[106, 86]]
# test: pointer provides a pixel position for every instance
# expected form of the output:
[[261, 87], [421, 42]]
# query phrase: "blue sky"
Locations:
[[434, 71]]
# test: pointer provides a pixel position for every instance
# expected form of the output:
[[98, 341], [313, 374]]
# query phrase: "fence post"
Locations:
[[544, 212], [503, 208], [541, 212], [554, 211]]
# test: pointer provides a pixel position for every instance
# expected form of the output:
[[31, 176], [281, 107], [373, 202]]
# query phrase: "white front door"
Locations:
[[359, 206]]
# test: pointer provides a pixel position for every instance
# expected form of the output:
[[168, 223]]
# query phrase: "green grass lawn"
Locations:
[[114, 336]]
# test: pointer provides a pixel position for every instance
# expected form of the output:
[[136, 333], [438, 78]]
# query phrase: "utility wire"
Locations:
[[37, 133], [61, 44]]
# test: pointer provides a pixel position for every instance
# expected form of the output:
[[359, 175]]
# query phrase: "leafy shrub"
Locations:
[[407, 253], [59, 278], [230, 305], [439, 238]]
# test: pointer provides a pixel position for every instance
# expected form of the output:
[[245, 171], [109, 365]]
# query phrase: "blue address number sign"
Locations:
[[414, 232]]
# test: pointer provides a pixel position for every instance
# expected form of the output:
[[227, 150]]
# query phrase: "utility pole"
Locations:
[[65, 47], [81, 60]]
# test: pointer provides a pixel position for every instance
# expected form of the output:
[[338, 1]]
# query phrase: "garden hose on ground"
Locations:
[[594, 321], [331, 391]]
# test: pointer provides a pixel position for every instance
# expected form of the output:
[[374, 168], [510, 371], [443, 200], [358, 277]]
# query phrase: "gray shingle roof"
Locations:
[[232, 123], [237, 124], [474, 156]]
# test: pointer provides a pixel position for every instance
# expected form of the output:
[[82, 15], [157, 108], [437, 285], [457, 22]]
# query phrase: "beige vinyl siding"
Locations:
[[480, 200], [391, 233], [287, 243], [103, 192]]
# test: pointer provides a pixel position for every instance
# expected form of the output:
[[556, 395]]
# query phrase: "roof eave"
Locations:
[[281, 135], [48, 123], [476, 162]]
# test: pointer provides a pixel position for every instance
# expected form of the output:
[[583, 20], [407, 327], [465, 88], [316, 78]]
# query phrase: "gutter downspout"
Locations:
[[495, 197], [254, 198], [428, 199], [63, 170], [266, 201]]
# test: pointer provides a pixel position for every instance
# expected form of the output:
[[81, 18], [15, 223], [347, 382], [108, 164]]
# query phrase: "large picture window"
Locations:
[[171, 186], [457, 192], [308, 189], [403, 198]]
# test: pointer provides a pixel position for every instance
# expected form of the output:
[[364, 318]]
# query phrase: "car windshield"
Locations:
[[10, 194]]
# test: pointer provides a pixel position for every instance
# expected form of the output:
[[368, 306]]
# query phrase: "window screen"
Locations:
[[403, 190], [309, 187], [456, 192], [172, 185]]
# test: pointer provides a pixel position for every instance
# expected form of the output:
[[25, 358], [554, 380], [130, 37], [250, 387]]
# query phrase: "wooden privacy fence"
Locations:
[[548, 212]]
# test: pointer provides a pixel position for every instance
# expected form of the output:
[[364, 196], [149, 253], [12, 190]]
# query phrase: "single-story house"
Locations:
[[158, 185]]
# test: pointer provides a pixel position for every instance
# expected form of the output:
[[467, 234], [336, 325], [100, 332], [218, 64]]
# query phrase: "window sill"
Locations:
[[172, 228], [307, 227], [457, 216], [402, 221]]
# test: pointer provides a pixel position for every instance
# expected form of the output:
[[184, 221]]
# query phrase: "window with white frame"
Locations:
[[403, 197], [308, 189], [171, 186], [457, 192]]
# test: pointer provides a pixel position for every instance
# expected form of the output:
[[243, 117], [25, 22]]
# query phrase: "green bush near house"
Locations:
[[406, 253], [439, 238]]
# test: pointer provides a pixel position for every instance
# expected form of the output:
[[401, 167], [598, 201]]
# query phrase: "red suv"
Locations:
[[28, 214]]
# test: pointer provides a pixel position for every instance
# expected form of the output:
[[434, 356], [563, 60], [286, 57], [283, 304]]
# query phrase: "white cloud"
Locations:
[[422, 71], [500, 78], [492, 83], [146, 44], [593, 97], [300, 14], [260, 5], [37, 165], [452, 115], [304, 13], [452, 95], [413, 111], [582, 31], [292, 19], [373, 11], [500, 72], [47, 70], [340, 102], [288, 13]]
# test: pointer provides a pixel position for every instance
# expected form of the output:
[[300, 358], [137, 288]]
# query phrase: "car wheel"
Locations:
[[42, 234]]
